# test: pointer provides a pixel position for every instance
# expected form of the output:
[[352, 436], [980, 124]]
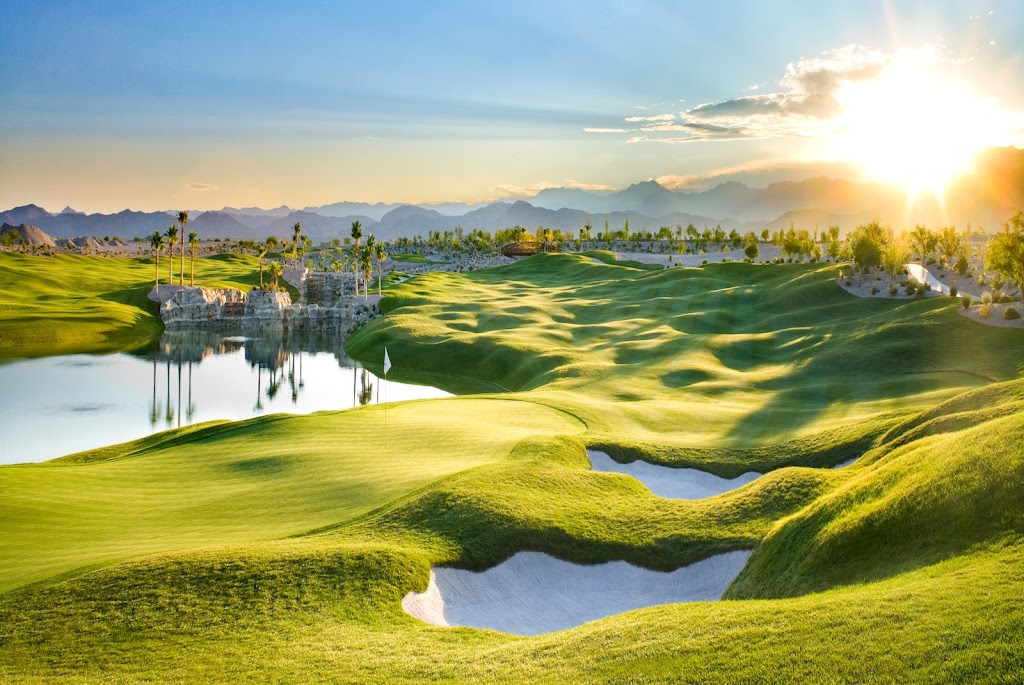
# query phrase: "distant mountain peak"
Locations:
[[69, 210]]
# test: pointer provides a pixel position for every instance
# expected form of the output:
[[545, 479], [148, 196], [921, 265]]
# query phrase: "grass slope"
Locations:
[[69, 303], [279, 548]]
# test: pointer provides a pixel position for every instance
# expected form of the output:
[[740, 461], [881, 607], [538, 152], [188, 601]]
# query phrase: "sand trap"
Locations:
[[673, 483], [533, 593]]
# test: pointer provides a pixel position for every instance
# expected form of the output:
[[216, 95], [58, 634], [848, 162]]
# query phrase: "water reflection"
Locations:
[[76, 402]]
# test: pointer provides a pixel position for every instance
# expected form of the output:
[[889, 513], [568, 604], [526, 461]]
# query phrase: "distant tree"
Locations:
[[357, 235], [172, 239], [950, 244], [183, 220], [272, 242], [381, 256], [752, 250], [867, 243], [193, 241], [1005, 254], [296, 234], [923, 241], [895, 255], [157, 241]]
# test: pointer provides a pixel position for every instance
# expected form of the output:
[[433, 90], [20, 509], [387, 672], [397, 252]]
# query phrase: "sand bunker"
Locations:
[[669, 482], [533, 593]]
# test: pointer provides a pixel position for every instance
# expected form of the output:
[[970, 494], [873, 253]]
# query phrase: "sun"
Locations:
[[915, 126]]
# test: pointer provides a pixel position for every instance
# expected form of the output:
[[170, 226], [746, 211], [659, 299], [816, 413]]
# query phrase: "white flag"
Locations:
[[387, 362]]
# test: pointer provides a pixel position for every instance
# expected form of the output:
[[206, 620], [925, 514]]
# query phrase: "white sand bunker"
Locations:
[[665, 481], [533, 593]]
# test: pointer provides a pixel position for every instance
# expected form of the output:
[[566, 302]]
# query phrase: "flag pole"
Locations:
[[387, 367]]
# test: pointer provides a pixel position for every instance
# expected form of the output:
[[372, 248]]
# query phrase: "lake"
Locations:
[[55, 406]]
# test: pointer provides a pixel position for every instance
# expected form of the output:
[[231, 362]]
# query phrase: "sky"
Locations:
[[159, 105]]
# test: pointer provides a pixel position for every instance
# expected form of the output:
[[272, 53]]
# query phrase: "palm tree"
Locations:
[[357, 234], [263, 254], [157, 241], [193, 241], [296, 234], [183, 220], [275, 273], [381, 256], [172, 238], [366, 263]]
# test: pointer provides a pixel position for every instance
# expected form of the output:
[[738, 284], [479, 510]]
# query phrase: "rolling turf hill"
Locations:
[[278, 549]]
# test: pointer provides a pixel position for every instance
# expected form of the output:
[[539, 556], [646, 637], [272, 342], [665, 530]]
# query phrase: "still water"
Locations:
[[60, 405]]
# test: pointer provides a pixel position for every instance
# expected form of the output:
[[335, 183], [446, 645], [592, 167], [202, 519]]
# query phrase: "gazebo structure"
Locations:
[[525, 248]]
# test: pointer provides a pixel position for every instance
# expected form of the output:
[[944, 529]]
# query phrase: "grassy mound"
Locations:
[[280, 548]]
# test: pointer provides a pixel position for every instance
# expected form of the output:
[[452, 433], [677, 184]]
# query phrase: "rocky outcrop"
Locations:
[[26, 234], [257, 311], [327, 288]]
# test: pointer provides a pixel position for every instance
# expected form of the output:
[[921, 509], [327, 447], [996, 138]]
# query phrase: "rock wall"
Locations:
[[327, 288], [258, 310]]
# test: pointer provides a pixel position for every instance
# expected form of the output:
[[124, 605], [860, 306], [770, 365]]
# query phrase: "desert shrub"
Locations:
[[981, 279], [997, 283], [953, 290], [986, 297], [1010, 313], [910, 287], [703, 261], [893, 290], [966, 301], [984, 310], [931, 260], [874, 290]]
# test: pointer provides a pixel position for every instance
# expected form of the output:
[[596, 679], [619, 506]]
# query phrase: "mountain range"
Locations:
[[987, 198]]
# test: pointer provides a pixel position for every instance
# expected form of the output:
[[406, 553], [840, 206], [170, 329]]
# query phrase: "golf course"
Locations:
[[863, 518]]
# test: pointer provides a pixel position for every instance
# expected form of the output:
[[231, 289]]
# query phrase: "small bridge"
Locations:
[[525, 248]]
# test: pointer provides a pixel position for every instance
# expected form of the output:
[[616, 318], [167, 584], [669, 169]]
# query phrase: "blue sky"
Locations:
[[152, 105]]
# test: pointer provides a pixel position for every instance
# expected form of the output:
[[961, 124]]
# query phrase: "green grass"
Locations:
[[416, 258], [69, 303], [278, 549]]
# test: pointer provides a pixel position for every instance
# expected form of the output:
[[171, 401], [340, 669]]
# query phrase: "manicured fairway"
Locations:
[[279, 549]]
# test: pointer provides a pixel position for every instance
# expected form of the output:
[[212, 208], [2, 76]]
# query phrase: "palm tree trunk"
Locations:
[[170, 265], [192, 268], [157, 262], [181, 279]]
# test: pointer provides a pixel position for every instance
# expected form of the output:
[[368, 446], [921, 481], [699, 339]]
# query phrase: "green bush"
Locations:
[[984, 310], [965, 300], [1011, 314], [874, 290], [953, 290], [893, 290], [986, 297]]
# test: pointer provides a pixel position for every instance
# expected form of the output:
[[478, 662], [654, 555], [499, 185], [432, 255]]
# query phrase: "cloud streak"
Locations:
[[200, 187], [805, 103]]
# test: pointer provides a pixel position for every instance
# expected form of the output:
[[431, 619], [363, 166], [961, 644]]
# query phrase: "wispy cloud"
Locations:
[[200, 187], [605, 130], [656, 117], [805, 101]]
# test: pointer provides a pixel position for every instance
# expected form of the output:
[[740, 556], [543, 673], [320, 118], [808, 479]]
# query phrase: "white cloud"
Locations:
[[200, 187], [656, 117], [605, 130]]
